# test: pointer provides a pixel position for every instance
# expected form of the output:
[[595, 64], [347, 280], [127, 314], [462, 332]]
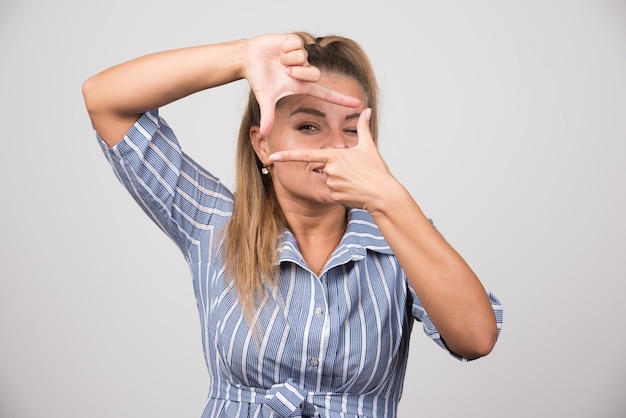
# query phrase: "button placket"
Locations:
[[318, 321], [318, 315]]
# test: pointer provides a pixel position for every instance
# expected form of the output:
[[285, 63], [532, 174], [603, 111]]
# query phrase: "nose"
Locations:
[[337, 140]]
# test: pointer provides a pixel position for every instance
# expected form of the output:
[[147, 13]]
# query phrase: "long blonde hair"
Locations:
[[255, 229]]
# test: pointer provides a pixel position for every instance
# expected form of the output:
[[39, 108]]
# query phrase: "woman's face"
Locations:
[[305, 122]]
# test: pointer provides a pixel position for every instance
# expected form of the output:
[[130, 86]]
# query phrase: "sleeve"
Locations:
[[183, 199], [419, 313]]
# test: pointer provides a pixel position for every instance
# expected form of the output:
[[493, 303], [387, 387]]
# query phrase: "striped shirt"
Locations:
[[331, 346]]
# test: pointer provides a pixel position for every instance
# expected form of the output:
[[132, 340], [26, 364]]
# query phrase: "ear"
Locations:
[[259, 144]]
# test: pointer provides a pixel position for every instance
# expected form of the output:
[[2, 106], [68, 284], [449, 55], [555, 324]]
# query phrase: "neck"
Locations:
[[317, 224], [318, 235]]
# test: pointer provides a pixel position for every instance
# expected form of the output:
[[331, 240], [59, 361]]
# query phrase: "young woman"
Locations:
[[309, 278]]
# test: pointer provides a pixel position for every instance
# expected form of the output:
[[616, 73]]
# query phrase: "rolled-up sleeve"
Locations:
[[420, 314], [183, 199]]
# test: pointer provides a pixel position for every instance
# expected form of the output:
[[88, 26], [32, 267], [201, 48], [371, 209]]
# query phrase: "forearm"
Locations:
[[118, 95], [449, 290]]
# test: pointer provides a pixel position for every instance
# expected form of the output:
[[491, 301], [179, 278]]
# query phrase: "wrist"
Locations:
[[234, 57], [240, 53], [388, 197]]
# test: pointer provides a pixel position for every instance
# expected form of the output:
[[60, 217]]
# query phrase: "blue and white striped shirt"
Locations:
[[334, 345]]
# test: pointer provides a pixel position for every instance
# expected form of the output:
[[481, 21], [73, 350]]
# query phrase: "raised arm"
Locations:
[[449, 290], [274, 65], [117, 96]]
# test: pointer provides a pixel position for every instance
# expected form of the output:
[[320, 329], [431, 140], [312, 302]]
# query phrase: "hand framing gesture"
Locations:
[[276, 66]]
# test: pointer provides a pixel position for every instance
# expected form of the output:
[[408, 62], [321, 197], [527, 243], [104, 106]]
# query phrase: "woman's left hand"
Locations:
[[355, 176]]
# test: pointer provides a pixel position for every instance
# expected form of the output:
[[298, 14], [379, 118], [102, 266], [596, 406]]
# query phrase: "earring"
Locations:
[[265, 170]]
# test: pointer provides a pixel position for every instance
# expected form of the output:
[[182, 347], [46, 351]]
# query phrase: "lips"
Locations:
[[319, 169]]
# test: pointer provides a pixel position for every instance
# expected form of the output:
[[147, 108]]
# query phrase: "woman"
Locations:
[[309, 278]]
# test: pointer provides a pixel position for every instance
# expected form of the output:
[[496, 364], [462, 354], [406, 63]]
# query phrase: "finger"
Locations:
[[291, 43], [304, 73], [297, 57], [333, 96], [302, 155]]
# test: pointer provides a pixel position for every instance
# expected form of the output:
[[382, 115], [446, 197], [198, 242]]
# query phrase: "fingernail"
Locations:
[[368, 113], [274, 157]]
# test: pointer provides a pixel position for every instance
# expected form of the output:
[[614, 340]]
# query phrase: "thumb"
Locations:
[[363, 128], [267, 118]]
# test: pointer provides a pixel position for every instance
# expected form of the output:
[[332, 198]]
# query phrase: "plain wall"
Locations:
[[505, 119]]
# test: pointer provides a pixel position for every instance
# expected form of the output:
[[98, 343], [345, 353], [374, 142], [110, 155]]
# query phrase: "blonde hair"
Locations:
[[255, 229]]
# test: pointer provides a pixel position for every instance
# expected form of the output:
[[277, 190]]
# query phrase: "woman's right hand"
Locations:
[[276, 66]]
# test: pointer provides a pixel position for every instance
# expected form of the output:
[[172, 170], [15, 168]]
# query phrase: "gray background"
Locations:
[[505, 119]]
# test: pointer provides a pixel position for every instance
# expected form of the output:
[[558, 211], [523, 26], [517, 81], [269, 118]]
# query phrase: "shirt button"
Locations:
[[318, 311], [314, 361]]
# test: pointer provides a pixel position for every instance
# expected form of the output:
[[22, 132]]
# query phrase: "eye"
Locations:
[[308, 128], [350, 131]]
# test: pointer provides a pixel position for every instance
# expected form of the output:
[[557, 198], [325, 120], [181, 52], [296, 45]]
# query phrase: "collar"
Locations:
[[362, 235]]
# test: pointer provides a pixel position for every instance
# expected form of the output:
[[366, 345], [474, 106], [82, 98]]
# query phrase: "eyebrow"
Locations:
[[316, 112]]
